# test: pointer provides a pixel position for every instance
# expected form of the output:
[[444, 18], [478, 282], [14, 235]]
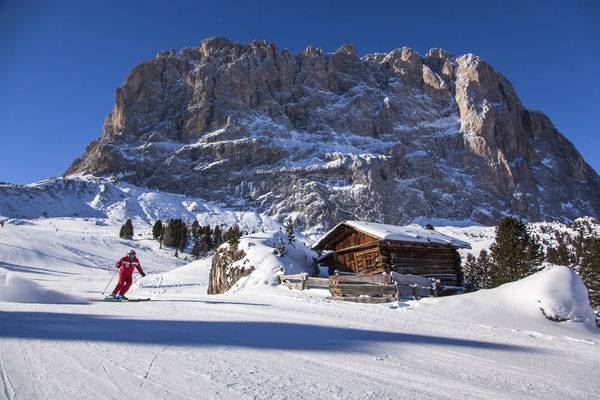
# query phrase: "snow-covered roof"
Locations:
[[408, 234]]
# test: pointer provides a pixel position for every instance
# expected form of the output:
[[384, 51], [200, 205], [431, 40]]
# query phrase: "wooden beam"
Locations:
[[366, 299], [357, 279], [362, 290], [356, 248]]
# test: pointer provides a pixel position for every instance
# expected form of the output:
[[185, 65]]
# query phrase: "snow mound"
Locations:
[[562, 295], [260, 254], [16, 289], [18, 222], [556, 293]]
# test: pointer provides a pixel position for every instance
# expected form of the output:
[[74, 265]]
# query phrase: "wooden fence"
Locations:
[[362, 288], [366, 288]]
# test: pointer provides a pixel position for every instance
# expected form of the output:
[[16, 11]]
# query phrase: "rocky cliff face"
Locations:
[[223, 275], [385, 137]]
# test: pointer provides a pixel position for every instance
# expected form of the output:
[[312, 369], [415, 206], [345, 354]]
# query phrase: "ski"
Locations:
[[111, 300]]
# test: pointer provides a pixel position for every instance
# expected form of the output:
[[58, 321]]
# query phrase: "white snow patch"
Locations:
[[558, 291], [260, 253], [16, 289]]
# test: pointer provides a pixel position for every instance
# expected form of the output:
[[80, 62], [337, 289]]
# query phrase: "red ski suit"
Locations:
[[126, 267]]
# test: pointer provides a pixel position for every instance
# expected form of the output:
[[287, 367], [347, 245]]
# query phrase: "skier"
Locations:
[[126, 266]]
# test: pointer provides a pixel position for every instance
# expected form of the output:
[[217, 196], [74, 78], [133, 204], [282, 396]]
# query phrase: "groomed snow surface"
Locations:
[[259, 341]]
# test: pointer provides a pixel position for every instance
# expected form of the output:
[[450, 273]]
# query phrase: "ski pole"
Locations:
[[111, 278]]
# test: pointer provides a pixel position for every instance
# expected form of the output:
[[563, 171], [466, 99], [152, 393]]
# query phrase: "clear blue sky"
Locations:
[[61, 61]]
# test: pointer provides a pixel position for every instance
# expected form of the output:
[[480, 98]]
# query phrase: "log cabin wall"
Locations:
[[358, 252], [353, 239], [432, 261], [365, 260]]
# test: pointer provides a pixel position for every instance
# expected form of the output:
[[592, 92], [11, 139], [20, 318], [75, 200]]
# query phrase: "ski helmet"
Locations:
[[131, 253]]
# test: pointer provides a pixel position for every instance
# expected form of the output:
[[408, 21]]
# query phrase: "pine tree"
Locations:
[[484, 264], [563, 257], [470, 273], [559, 255], [233, 235], [515, 254], [175, 234], [196, 230], [217, 236], [207, 241], [429, 227], [289, 230], [477, 271], [196, 249], [590, 270], [183, 237], [578, 244], [126, 231], [157, 229], [551, 255], [281, 250]]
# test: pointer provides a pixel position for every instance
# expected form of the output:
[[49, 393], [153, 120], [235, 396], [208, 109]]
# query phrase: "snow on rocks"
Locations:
[[260, 257], [83, 196], [16, 289]]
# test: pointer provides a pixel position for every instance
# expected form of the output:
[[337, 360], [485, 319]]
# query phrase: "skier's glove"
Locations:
[[143, 274]]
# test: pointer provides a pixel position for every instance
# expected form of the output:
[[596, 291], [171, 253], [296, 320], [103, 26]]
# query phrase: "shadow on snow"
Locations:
[[251, 334]]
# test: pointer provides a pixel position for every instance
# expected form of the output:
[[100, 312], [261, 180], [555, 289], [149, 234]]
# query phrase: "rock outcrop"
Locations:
[[386, 137], [223, 274]]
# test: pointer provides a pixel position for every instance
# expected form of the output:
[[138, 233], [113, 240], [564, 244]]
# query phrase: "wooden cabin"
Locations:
[[370, 248]]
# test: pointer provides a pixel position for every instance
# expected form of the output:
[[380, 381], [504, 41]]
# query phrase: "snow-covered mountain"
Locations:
[[387, 137], [110, 202], [248, 134]]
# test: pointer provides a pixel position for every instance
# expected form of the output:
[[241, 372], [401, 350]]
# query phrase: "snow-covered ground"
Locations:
[[58, 341]]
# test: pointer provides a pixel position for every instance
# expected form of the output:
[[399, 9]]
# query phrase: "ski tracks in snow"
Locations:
[[8, 388], [152, 363]]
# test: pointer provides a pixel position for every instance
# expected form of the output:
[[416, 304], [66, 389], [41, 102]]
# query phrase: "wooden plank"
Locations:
[[420, 253], [424, 257], [358, 279], [423, 261], [366, 299], [317, 282], [377, 271], [419, 272], [351, 249], [446, 276], [425, 266], [295, 277], [362, 290]]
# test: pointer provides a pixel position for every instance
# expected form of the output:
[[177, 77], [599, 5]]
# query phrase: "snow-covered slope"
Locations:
[[267, 343], [57, 340], [100, 198], [556, 292]]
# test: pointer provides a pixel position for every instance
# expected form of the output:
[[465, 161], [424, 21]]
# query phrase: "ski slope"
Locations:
[[261, 341], [57, 340]]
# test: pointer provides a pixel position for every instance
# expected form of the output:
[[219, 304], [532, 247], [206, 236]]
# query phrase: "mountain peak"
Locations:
[[386, 137]]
